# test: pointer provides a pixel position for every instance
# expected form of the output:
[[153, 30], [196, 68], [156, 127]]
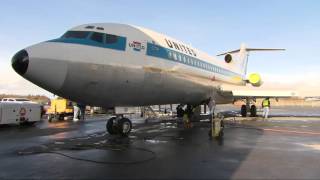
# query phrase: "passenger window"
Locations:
[[98, 37], [76, 34], [175, 56], [170, 54], [111, 39]]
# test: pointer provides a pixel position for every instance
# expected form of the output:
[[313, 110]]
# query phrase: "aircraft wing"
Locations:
[[250, 92], [263, 94]]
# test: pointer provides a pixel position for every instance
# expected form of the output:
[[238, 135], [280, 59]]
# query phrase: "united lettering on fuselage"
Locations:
[[180, 47]]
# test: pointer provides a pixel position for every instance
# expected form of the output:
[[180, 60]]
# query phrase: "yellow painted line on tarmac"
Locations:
[[290, 131]]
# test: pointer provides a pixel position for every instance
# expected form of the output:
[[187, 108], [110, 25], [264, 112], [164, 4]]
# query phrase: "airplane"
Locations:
[[110, 64]]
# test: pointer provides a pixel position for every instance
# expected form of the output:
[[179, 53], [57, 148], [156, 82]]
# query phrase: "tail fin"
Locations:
[[240, 56]]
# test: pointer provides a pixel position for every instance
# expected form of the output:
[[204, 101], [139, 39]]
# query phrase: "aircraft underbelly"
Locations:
[[111, 85]]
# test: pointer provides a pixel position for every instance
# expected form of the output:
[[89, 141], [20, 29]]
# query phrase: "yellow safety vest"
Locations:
[[265, 103]]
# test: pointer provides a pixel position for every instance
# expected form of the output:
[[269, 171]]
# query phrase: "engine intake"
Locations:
[[228, 58], [255, 80]]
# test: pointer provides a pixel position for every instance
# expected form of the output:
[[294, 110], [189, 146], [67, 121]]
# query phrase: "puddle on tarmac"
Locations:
[[312, 146], [59, 143], [98, 135], [154, 141]]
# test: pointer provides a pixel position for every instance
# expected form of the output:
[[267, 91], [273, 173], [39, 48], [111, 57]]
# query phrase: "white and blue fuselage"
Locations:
[[111, 65]]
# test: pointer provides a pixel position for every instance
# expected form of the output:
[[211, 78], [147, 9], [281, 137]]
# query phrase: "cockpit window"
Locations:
[[111, 39], [89, 27], [98, 37], [76, 34]]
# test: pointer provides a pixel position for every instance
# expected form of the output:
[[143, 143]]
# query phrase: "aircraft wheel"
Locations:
[[111, 128], [243, 111], [124, 126], [253, 111], [60, 117]]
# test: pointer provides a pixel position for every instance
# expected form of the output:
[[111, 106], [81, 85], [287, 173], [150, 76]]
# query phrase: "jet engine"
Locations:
[[228, 58], [255, 79]]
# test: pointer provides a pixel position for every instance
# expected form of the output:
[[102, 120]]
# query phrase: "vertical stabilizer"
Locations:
[[239, 58]]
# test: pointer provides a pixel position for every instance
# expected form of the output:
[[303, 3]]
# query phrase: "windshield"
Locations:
[[76, 34]]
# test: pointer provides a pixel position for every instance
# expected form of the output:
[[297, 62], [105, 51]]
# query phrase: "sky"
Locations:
[[213, 26]]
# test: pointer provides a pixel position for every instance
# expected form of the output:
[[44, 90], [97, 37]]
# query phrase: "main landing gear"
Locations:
[[245, 108], [119, 125], [253, 111]]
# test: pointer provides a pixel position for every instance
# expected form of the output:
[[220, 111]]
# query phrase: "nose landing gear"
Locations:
[[119, 125]]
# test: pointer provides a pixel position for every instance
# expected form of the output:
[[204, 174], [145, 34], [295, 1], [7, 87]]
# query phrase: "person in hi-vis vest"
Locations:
[[266, 108]]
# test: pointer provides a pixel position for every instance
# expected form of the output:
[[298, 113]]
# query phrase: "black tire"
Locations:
[[243, 111], [32, 123], [61, 117], [253, 111], [124, 126], [110, 127], [27, 123]]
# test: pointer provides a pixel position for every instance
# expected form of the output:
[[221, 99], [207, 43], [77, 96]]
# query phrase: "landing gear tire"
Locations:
[[125, 126], [111, 128], [116, 125], [243, 111], [253, 111], [60, 117]]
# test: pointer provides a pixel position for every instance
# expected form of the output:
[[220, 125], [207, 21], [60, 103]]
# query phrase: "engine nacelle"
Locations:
[[255, 79], [228, 58]]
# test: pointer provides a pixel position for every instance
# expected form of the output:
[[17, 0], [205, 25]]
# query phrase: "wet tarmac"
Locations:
[[255, 149]]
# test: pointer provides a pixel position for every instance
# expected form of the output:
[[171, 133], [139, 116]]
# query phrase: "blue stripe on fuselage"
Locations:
[[171, 55], [119, 45]]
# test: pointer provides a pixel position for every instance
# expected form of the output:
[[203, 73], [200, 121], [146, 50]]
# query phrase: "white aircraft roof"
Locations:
[[158, 38]]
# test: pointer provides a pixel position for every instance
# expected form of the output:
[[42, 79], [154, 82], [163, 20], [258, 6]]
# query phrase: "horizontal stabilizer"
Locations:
[[251, 49], [264, 94]]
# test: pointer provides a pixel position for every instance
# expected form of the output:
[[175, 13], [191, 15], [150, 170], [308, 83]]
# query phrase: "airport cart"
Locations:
[[59, 109], [19, 112]]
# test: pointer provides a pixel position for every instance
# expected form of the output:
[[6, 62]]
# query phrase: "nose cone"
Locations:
[[20, 62]]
